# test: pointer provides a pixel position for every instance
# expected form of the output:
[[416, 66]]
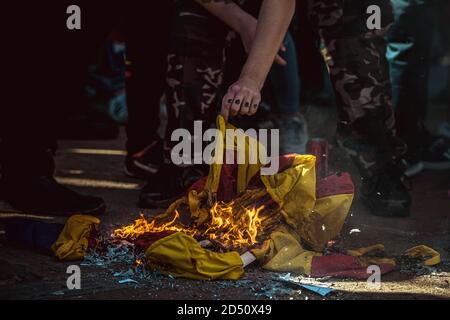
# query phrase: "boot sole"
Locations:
[[437, 166], [24, 213]]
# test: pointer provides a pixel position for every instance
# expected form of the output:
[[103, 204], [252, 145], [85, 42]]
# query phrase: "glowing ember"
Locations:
[[231, 225], [138, 262]]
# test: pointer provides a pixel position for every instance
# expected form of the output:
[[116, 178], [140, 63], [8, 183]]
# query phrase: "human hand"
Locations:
[[243, 97]]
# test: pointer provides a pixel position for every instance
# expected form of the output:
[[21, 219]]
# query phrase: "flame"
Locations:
[[231, 225], [231, 229], [142, 226]]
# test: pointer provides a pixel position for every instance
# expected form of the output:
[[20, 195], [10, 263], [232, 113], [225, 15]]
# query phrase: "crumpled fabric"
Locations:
[[283, 252], [365, 250], [364, 257], [245, 172], [294, 189], [75, 238], [311, 213], [315, 220], [224, 181], [345, 266], [432, 256], [182, 256]]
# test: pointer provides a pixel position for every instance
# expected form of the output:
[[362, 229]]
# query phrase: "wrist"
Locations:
[[252, 79]]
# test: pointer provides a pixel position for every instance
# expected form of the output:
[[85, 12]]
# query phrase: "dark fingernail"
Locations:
[[237, 101], [230, 100], [255, 105], [247, 104]]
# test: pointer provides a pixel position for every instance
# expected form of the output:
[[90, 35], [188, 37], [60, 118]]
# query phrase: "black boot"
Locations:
[[42, 195], [377, 153]]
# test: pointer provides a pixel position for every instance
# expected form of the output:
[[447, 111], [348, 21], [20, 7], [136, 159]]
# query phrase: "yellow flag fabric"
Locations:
[[73, 242], [304, 219], [315, 221], [294, 190], [365, 250], [366, 261], [182, 256], [432, 256], [284, 253], [232, 141], [326, 221]]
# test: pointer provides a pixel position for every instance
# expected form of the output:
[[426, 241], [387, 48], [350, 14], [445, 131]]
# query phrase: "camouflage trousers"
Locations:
[[355, 57], [195, 68]]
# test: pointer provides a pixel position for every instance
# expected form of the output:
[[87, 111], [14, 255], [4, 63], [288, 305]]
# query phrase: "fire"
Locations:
[[230, 225], [142, 226], [138, 262], [234, 230]]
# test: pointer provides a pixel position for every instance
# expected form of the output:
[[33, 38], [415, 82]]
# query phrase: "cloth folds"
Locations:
[[76, 237]]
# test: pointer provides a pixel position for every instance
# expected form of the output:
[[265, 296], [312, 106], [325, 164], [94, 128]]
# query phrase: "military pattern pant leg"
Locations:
[[195, 68], [356, 57], [192, 88]]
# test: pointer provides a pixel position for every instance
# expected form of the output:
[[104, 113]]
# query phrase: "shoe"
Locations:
[[385, 193], [444, 130], [169, 184], [447, 154], [427, 152], [145, 163], [293, 134], [411, 163], [411, 168], [384, 186], [44, 196], [370, 144], [435, 155]]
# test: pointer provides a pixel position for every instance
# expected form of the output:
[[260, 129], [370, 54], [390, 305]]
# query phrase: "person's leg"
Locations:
[[409, 47], [195, 67], [194, 77], [309, 58], [27, 130], [360, 76], [285, 81], [409, 50], [50, 65], [356, 62], [408, 53], [147, 42]]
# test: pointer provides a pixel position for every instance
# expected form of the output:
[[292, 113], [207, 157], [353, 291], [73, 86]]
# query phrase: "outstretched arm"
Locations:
[[244, 95]]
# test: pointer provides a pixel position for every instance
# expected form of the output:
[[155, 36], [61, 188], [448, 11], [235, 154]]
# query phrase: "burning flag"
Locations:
[[235, 210], [236, 213], [233, 226]]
